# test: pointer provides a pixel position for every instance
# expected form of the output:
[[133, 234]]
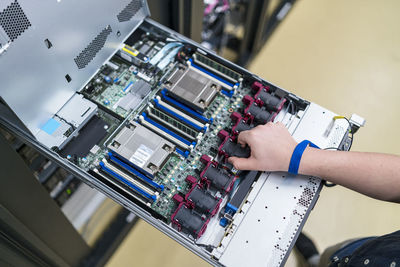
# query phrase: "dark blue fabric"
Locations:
[[370, 251], [350, 248]]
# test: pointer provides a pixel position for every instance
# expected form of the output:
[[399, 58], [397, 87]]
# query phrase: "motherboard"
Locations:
[[167, 119]]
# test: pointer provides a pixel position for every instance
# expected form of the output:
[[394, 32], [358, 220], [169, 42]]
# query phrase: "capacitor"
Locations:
[[107, 79]]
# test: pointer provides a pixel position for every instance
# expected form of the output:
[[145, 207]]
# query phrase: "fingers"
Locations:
[[243, 137], [280, 124], [243, 163], [246, 137]]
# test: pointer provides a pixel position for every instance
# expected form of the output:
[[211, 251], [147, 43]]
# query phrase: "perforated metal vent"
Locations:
[[93, 48], [14, 21], [129, 11], [308, 193]]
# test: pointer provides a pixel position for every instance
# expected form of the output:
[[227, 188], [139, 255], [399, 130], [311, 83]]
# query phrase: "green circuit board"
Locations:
[[184, 104], [177, 168]]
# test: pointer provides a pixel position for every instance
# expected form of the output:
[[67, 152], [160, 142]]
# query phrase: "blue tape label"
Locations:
[[51, 126]]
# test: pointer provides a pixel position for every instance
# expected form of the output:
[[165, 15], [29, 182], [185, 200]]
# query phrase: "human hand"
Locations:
[[271, 148]]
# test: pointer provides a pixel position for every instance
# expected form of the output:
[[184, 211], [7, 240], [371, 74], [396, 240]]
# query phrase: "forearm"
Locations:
[[373, 174]]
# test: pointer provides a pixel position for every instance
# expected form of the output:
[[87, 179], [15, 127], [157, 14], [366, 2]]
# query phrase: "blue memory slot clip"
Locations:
[[183, 107], [211, 74], [114, 158], [185, 154], [183, 140], [227, 93], [117, 176], [126, 87], [170, 112]]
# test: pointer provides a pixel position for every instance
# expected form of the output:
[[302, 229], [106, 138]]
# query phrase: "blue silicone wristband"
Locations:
[[297, 154]]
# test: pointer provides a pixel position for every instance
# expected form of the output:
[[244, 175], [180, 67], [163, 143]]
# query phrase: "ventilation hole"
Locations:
[[247, 241], [14, 21], [68, 78], [129, 11], [48, 43], [93, 48]]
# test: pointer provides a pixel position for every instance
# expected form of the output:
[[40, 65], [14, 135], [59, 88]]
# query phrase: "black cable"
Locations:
[[351, 140]]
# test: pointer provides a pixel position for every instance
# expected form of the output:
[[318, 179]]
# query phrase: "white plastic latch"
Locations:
[[357, 120]]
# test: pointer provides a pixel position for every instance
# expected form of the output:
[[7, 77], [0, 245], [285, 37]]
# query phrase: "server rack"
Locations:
[[183, 16], [38, 222], [247, 26]]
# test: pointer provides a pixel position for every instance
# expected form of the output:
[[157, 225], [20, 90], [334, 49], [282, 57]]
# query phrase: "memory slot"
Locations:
[[112, 182], [128, 177], [216, 67], [194, 114], [212, 76], [183, 117], [167, 134], [172, 124], [180, 122], [117, 160], [115, 173]]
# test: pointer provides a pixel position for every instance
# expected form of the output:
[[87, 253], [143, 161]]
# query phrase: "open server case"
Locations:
[[149, 118]]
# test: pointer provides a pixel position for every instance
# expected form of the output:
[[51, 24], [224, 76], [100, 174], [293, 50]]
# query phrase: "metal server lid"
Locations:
[[51, 49]]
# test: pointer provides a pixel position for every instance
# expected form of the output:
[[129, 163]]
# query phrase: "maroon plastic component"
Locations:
[[173, 217], [178, 198], [223, 134], [204, 180], [191, 204], [191, 179], [238, 119], [179, 225], [281, 105], [205, 159], [235, 131], [261, 103], [220, 150], [236, 116], [247, 100], [256, 86], [257, 94]]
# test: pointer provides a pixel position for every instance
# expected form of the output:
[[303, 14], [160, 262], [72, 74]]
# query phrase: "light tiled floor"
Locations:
[[345, 56]]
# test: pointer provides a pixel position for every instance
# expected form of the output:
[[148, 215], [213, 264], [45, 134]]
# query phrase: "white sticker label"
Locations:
[[141, 155]]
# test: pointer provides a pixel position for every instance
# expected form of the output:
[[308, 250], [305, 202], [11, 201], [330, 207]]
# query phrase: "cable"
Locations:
[[351, 140]]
